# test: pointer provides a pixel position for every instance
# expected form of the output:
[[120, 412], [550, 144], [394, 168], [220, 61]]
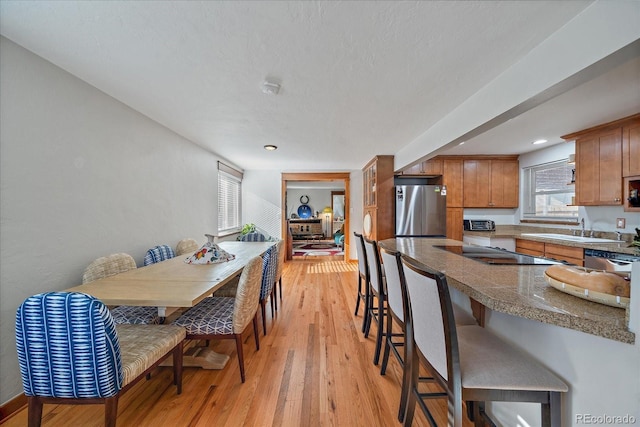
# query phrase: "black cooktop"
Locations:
[[496, 256]]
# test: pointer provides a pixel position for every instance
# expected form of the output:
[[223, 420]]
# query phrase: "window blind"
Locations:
[[229, 198]]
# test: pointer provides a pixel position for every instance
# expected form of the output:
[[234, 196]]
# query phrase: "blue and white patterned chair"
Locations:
[[269, 271], [228, 317], [158, 254], [279, 269], [111, 265], [253, 237], [70, 351]]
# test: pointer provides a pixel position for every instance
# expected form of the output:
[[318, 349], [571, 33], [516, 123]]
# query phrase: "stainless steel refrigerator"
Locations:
[[420, 211]]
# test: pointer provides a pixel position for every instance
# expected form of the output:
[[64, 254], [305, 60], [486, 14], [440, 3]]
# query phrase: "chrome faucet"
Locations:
[[582, 225]]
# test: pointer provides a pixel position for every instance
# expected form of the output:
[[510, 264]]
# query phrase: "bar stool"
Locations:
[[377, 290], [363, 278], [391, 260], [469, 362]]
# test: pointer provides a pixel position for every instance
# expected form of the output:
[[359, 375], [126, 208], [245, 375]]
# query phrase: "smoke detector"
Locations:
[[270, 88]]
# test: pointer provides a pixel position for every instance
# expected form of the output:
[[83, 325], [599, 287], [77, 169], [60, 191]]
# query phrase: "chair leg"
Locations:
[[263, 303], [406, 382], [272, 303], [369, 313], [280, 286], [34, 411], [255, 331], [359, 293], [412, 365], [274, 294], [177, 366], [240, 355], [110, 411], [366, 301], [551, 411], [478, 409], [380, 333], [387, 344]]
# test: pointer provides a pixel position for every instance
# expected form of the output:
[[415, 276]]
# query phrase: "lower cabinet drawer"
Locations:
[[529, 247]]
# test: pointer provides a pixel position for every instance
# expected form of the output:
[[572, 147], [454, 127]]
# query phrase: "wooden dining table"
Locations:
[[173, 284]]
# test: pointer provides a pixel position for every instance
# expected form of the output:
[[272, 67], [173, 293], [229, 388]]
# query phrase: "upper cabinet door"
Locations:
[[477, 183], [504, 183], [452, 177], [599, 168], [491, 183]]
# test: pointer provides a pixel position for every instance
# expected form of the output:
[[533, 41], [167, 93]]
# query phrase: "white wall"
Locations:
[[601, 29], [82, 176], [261, 201], [318, 199]]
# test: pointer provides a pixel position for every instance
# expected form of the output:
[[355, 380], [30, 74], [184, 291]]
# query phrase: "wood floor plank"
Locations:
[[314, 368]]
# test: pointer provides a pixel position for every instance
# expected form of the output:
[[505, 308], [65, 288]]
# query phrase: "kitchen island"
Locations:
[[592, 347]]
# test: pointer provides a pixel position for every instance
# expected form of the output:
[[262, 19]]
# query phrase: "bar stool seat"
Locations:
[[487, 362]]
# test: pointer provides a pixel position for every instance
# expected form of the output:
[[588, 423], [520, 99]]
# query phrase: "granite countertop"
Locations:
[[518, 232], [516, 290]]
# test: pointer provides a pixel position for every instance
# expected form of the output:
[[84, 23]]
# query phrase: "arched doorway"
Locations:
[[315, 177]]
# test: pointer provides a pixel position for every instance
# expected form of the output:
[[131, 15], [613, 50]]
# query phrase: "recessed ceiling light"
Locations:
[[540, 141], [461, 143], [270, 147]]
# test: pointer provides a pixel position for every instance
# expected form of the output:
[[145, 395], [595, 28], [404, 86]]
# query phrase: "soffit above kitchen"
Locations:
[[355, 79]]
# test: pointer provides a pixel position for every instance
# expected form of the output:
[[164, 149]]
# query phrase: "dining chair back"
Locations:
[[108, 266], [280, 267], [70, 351], [111, 265], [269, 270], [158, 254], [469, 362], [363, 278], [253, 237], [186, 246], [395, 313], [377, 290], [228, 317]]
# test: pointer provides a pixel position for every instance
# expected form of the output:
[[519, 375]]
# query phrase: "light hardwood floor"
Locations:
[[314, 368]]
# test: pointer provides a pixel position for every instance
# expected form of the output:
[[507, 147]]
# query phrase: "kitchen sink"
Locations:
[[570, 238]]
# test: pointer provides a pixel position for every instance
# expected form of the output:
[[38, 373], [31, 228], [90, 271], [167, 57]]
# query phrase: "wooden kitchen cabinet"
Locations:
[[491, 183], [631, 147], [452, 178], [569, 254], [431, 167], [604, 155], [599, 168], [378, 198], [564, 253], [454, 223], [529, 247]]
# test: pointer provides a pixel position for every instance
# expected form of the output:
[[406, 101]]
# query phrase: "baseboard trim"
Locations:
[[12, 406]]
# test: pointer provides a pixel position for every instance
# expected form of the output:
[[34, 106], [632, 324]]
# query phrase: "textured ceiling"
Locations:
[[358, 78]]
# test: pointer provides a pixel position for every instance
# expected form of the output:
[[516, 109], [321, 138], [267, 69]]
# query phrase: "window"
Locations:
[[548, 192], [229, 198]]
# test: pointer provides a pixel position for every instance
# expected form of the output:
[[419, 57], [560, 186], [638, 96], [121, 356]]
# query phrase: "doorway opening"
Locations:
[[325, 215]]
